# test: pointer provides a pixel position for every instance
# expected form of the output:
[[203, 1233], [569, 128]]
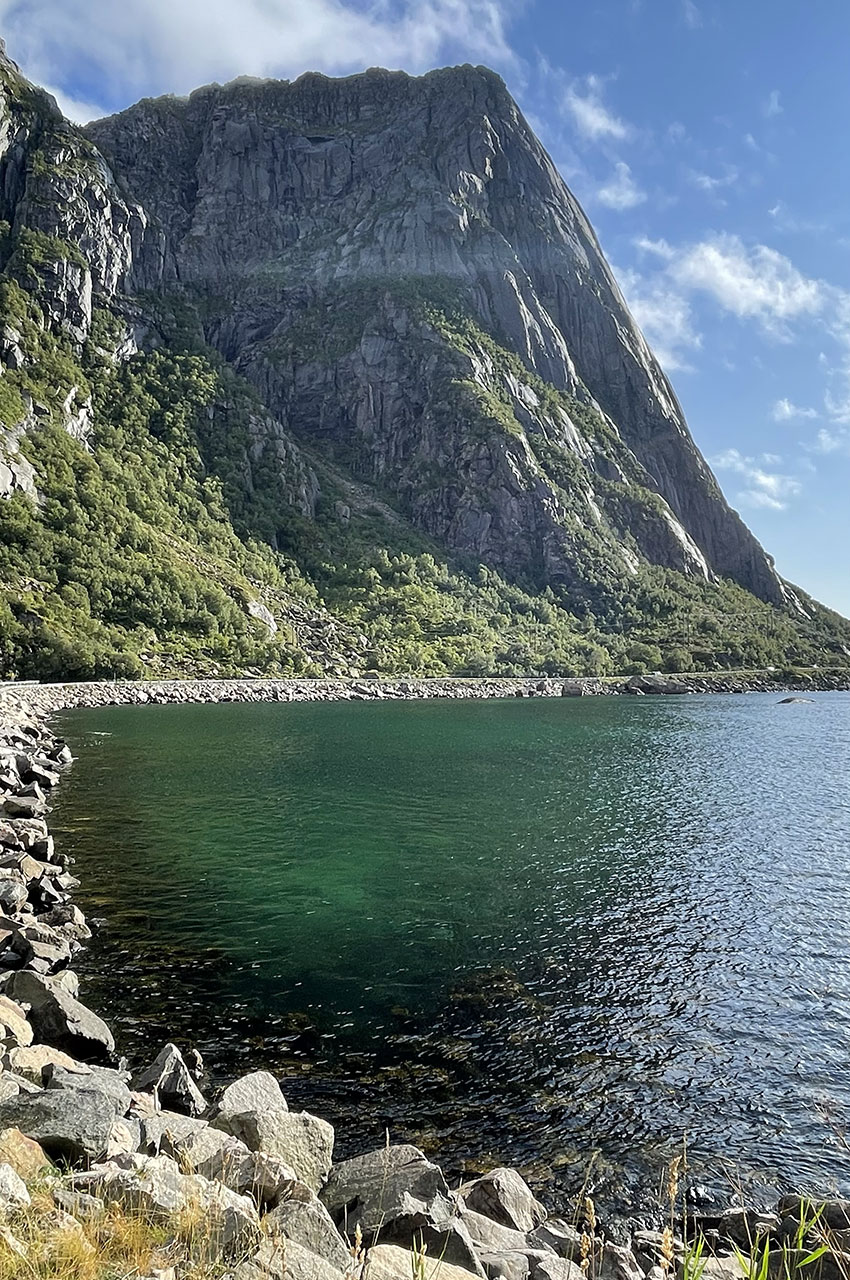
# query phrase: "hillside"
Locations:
[[333, 376]]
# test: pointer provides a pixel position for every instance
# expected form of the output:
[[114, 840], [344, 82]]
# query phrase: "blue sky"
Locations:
[[705, 138]]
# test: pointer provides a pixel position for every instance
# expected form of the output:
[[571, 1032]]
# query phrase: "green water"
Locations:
[[516, 930]]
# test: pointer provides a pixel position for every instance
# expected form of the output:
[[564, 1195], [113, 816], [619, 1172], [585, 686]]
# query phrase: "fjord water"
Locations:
[[513, 930]]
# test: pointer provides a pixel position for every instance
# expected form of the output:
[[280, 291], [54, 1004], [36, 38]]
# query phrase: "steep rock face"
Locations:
[[265, 199], [53, 181]]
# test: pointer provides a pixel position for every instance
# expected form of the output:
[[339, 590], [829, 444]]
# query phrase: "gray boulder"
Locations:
[[70, 1124], [398, 1192], [390, 1262], [304, 1219], [60, 1019], [13, 1190], [506, 1198], [172, 1080], [550, 1267], [558, 1235], [106, 1080], [492, 1237], [281, 1259], [162, 1130], [301, 1140], [258, 1091]]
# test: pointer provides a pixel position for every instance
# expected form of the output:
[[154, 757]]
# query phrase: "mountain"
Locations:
[[333, 375]]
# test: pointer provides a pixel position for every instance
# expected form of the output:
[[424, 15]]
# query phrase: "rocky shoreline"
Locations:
[[266, 1198], [45, 699]]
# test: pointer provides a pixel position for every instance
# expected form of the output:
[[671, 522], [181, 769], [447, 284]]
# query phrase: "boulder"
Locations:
[[257, 1091], [492, 1237], [834, 1213], [13, 894], [511, 1264], [22, 806], [398, 1192], [172, 1080], [29, 1061], [71, 1125], [107, 1080], [164, 1129], [301, 1140], [506, 1198], [13, 1191], [281, 1259], [14, 1028], [305, 1220], [558, 1235], [78, 1204], [22, 1154], [618, 1263], [390, 1262], [550, 1267], [59, 1019]]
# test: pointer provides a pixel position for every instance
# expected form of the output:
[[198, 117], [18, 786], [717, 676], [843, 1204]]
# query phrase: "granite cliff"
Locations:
[[372, 330]]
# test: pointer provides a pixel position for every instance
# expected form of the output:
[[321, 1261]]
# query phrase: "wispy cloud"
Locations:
[[762, 488], [592, 118], [161, 46], [829, 441], [691, 14], [785, 410], [664, 317], [772, 106], [713, 183], [620, 191]]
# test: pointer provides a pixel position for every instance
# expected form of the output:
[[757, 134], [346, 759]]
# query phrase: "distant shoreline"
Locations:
[[46, 699]]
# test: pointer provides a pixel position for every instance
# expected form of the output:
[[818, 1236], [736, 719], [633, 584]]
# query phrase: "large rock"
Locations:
[[492, 1237], [30, 1061], [163, 1130], [506, 1198], [71, 1125], [304, 1219], [280, 1259], [23, 1154], [398, 1192], [258, 1091], [61, 1020], [390, 1262], [301, 1140], [173, 1083], [13, 1191], [106, 1080], [15, 1030]]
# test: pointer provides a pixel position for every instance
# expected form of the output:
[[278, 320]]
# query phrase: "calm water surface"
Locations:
[[520, 930]]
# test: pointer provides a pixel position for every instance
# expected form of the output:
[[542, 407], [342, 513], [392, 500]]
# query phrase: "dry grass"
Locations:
[[41, 1242]]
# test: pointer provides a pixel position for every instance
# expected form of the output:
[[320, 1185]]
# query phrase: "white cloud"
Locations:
[[691, 14], [753, 282], [832, 441], [592, 118], [664, 317], [772, 106], [785, 410], [770, 489], [620, 191], [711, 184], [172, 46]]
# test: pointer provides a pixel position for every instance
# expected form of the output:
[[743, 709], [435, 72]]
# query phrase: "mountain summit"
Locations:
[[357, 345]]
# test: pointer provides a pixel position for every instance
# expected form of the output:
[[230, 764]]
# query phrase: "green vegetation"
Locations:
[[186, 503]]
